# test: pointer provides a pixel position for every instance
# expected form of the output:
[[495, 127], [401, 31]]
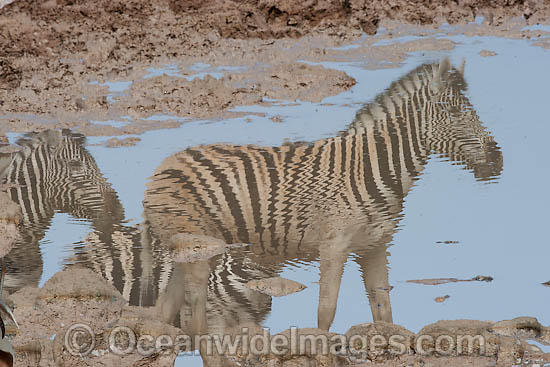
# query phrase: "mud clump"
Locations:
[[544, 44], [439, 281], [322, 349], [10, 221], [299, 81], [126, 142], [524, 328], [441, 299], [504, 341], [209, 96], [71, 301], [487, 53], [376, 341], [191, 248], [276, 286]]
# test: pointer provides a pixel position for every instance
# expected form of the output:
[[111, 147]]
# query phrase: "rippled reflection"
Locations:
[[55, 173], [301, 202], [309, 202]]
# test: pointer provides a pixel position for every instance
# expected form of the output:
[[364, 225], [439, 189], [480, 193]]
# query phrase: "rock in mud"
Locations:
[[276, 286], [10, 211], [482, 278], [426, 338], [308, 347], [126, 142], [448, 242], [72, 296], [438, 281], [524, 328], [379, 339], [442, 299], [487, 53], [81, 296], [10, 220], [191, 247], [79, 283]]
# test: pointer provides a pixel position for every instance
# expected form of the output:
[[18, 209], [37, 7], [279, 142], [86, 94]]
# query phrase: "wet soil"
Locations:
[[79, 296], [56, 55]]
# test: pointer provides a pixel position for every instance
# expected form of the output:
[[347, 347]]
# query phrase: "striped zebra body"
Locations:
[[55, 173], [322, 200]]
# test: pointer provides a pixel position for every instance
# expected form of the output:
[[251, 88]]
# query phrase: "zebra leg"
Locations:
[[187, 291], [3, 265], [374, 267], [146, 280], [333, 258], [172, 299], [196, 294]]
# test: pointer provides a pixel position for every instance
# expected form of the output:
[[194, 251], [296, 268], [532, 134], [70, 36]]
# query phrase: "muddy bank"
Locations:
[[80, 296], [11, 219], [57, 58], [74, 301]]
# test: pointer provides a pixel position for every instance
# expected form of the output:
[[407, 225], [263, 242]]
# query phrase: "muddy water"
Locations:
[[349, 197]]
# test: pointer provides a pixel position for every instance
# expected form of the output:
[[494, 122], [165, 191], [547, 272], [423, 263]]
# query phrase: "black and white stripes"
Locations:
[[328, 198]]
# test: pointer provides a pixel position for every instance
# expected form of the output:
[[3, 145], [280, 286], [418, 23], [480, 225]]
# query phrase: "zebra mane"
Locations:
[[437, 76], [50, 138]]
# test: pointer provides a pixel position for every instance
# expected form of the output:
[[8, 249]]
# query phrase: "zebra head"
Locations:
[[55, 173], [456, 131], [428, 112]]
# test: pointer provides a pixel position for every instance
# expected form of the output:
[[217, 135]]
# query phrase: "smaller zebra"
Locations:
[[54, 172]]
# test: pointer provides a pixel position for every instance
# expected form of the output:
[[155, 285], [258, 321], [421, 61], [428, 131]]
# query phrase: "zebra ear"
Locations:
[[438, 74], [444, 67], [461, 67]]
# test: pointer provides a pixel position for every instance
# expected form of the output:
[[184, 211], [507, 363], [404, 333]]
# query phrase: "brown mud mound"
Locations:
[[10, 220], [276, 286], [270, 18], [77, 301], [126, 142], [140, 30]]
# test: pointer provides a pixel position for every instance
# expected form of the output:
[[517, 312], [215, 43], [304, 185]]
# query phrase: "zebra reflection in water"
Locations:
[[55, 173], [301, 202], [306, 202]]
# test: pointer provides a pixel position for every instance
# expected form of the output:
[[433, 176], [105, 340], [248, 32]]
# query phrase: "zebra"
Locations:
[[299, 202], [54, 172], [325, 201]]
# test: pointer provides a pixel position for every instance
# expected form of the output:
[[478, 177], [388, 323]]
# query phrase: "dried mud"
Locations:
[[56, 56]]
